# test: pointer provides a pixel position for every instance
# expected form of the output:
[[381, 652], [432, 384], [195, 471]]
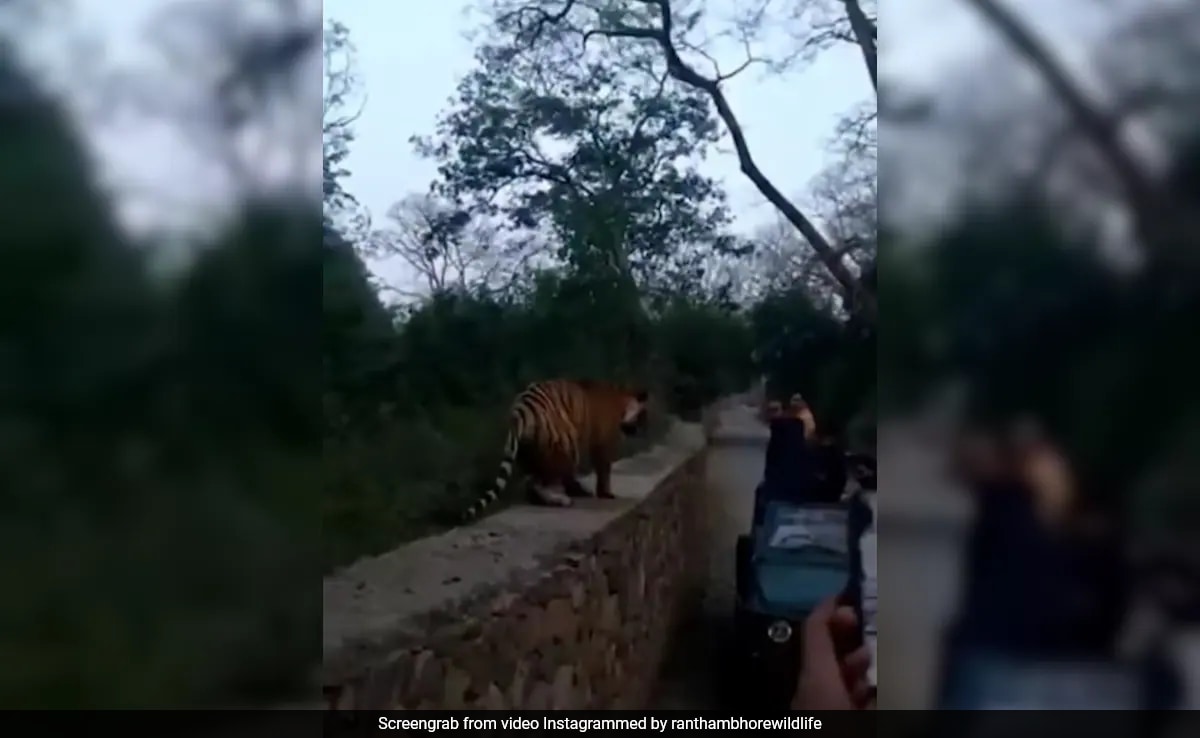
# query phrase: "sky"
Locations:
[[410, 63], [926, 40]]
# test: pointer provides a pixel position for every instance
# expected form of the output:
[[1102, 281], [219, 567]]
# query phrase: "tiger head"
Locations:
[[633, 417]]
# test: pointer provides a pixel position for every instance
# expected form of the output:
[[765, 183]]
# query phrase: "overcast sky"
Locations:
[[928, 40]]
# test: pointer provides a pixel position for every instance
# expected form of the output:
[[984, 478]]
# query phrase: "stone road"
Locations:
[[735, 466]]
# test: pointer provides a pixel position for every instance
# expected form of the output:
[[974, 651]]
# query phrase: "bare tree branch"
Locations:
[[663, 35], [1155, 212], [445, 254], [813, 26], [867, 37]]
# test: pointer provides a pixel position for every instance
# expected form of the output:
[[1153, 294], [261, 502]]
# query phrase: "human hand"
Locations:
[[827, 681]]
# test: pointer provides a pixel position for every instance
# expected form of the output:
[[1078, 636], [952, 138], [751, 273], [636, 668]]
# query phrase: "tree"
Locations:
[[666, 29], [845, 199], [446, 250], [228, 109], [599, 162], [357, 336], [339, 112], [814, 26], [358, 339], [864, 30], [782, 262], [846, 192], [1166, 226]]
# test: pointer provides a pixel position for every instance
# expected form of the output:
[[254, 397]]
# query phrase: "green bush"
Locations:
[[409, 464]]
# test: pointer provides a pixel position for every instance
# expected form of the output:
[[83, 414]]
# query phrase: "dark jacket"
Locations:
[[789, 474], [830, 462], [1029, 589]]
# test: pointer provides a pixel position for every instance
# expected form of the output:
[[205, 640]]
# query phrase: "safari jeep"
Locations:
[[795, 557]]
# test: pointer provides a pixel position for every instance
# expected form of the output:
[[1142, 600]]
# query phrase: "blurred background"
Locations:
[[1039, 297], [159, 380]]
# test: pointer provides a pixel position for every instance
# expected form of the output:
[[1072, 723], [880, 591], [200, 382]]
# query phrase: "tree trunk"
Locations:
[[1159, 220], [866, 35], [856, 296]]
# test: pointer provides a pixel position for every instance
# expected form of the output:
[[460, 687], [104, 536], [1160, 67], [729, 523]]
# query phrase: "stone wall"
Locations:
[[531, 608]]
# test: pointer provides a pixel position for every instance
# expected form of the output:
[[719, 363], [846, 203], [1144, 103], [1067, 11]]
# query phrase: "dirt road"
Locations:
[[735, 465]]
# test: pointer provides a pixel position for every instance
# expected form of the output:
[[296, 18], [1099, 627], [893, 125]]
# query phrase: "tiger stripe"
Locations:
[[562, 419]]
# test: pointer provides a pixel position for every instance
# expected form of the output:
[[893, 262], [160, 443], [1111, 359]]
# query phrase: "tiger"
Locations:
[[552, 424]]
